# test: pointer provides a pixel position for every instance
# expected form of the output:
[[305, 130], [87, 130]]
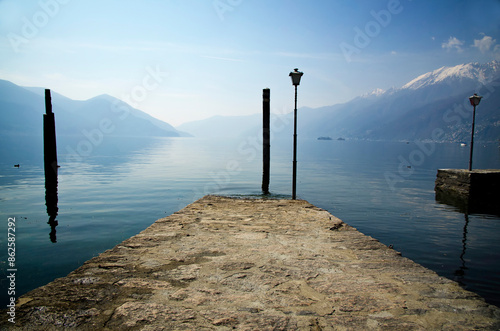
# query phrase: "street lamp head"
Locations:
[[296, 74], [474, 100]]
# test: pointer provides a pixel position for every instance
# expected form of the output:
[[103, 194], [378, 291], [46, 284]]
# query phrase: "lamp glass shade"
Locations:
[[296, 75], [474, 100]]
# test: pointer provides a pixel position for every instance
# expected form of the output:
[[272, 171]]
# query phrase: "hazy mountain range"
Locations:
[[21, 110], [432, 106]]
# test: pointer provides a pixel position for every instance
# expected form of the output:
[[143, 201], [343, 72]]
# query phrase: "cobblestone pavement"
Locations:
[[252, 264]]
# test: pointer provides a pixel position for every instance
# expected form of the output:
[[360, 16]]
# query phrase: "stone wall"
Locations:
[[470, 191]]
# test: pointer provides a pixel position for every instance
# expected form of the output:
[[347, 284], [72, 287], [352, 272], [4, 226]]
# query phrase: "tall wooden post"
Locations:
[[266, 138], [50, 165], [49, 138]]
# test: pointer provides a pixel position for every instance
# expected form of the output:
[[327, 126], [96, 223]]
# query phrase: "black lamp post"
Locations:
[[295, 75], [474, 101]]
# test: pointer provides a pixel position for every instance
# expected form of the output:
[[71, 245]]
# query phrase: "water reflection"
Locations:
[[468, 205], [460, 272], [131, 183], [51, 200]]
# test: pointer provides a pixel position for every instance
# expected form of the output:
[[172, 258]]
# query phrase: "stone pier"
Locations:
[[252, 264], [470, 191]]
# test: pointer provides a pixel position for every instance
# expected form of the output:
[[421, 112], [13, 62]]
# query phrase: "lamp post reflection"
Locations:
[[460, 272]]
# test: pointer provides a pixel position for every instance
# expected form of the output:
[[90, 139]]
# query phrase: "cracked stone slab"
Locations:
[[252, 264]]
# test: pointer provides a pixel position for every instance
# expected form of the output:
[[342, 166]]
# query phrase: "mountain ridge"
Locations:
[[22, 109], [474, 70], [434, 100]]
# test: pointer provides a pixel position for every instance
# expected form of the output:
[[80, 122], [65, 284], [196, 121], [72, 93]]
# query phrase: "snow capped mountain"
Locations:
[[480, 73], [375, 92], [434, 102], [452, 79]]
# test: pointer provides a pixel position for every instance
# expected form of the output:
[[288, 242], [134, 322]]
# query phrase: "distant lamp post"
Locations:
[[295, 75], [474, 101]]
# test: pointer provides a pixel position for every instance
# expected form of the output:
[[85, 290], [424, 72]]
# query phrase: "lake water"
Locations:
[[112, 190]]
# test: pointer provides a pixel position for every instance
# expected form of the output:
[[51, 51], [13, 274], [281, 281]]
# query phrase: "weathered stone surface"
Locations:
[[244, 264], [475, 191]]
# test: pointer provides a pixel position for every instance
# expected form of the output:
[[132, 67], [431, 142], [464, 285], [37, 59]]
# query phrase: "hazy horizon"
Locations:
[[189, 60]]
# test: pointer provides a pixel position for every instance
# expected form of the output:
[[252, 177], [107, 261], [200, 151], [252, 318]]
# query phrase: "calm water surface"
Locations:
[[117, 189]]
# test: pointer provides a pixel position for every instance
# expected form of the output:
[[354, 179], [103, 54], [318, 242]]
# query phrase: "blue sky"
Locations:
[[181, 60]]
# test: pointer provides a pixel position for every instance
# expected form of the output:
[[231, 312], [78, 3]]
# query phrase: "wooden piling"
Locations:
[[266, 135], [49, 138], [50, 164]]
